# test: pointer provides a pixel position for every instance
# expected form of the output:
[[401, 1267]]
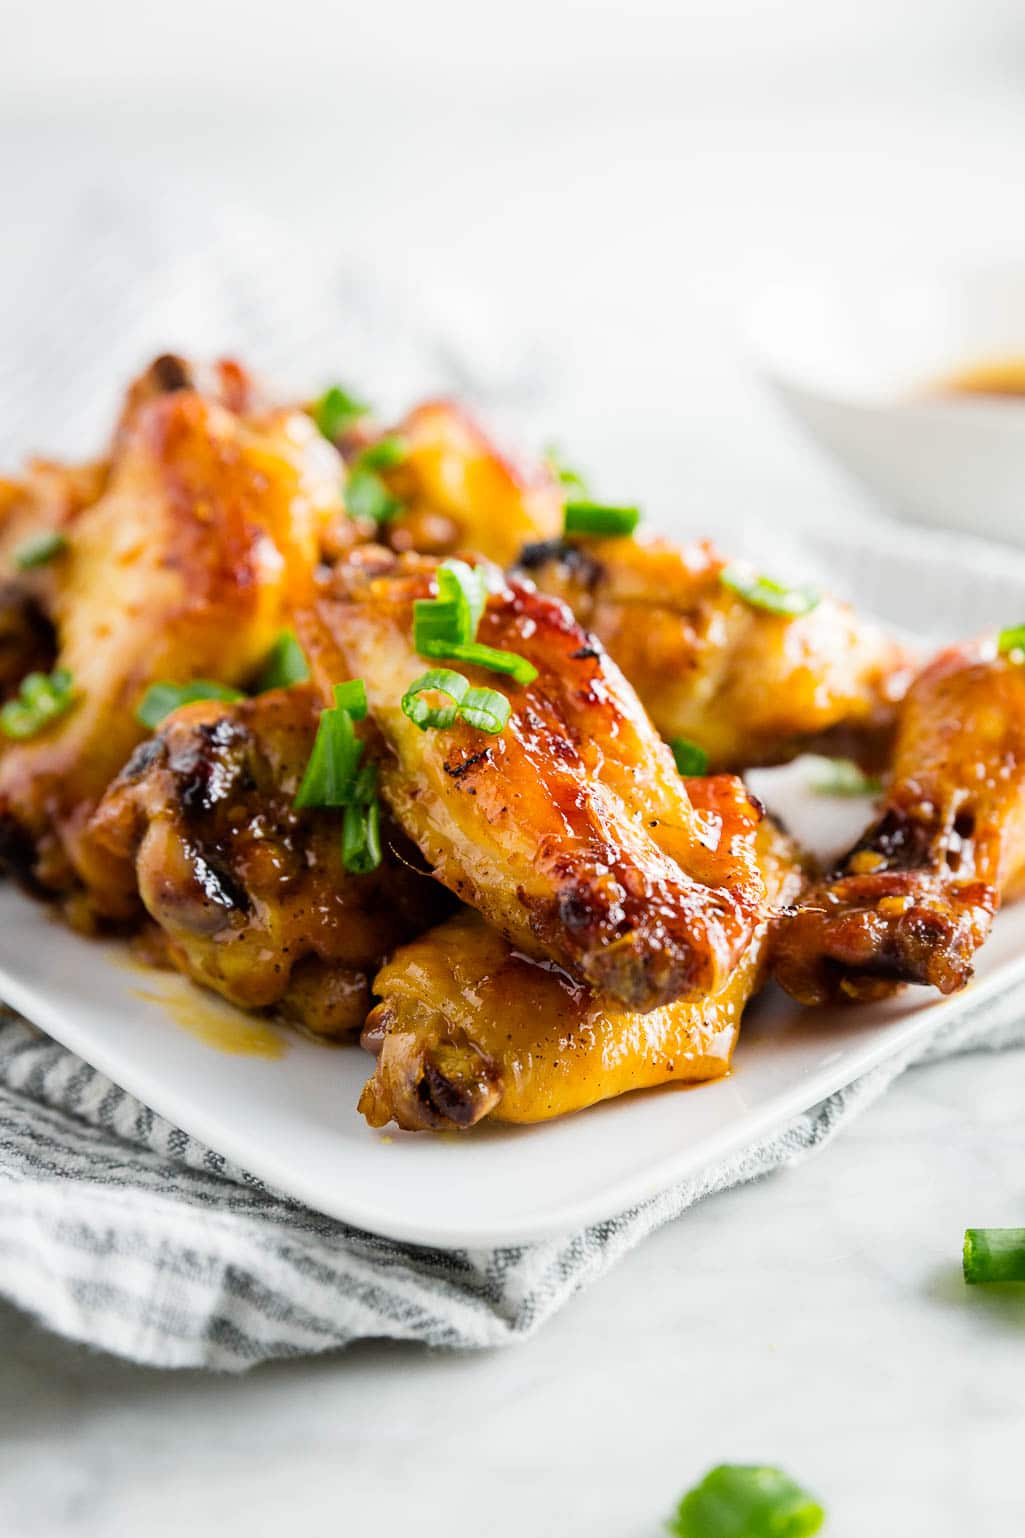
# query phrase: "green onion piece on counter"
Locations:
[[994, 1255], [42, 697], [451, 686], [486, 709], [285, 665], [160, 699], [510, 663], [39, 550], [599, 518], [691, 760], [455, 614], [336, 411], [361, 837], [331, 771], [842, 777], [385, 454], [764, 593], [366, 496], [738, 1500], [1011, 643], [564, 474]]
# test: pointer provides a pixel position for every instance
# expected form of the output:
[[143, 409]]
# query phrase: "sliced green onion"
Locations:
[[352, 696], [331, 771], [763, 593], [452, 686], [335, 777], [160, 699], [691, 759], [455, 614], [385, 454], [738, 1500], [486, 709], [511, 663], [994, 1255], [364, 789], [336, 411], [361, 838], [39, 550], [599, 518], [42, 697], [366, 496], [285, 665], [1011, 643], [564, 473]]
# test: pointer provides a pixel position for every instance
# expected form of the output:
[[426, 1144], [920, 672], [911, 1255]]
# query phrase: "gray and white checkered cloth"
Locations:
[[115, 1227]]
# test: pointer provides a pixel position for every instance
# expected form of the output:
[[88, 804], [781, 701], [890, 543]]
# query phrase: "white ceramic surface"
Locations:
[[854, 363], [293, 1120]]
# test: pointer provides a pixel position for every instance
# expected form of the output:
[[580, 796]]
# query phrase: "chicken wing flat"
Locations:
[[183, 568], [747, 685], [915, 897], [251, 894], [570, 830], [467, 1027], [456, 491]]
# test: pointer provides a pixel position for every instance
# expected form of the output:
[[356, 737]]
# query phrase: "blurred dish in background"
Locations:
[[885, 373]]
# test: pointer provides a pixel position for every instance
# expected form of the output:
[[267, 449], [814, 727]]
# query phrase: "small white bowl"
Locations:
[[855, 364]]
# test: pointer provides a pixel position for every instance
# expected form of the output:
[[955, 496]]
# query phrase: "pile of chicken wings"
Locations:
[[518, 863]]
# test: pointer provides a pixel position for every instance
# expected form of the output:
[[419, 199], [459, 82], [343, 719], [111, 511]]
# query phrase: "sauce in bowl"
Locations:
[[1001, 378]]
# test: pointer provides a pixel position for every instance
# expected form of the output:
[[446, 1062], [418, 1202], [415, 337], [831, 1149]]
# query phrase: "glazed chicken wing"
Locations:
[[748, 686], [915, 897], [457, 492], [467, 1027], [251, 894], [183, 568], [570, 830]]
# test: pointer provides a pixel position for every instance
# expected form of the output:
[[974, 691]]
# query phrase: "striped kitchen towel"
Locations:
[[118, 1229]]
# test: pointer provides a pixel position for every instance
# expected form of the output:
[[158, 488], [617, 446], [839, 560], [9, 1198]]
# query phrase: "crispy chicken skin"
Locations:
[[459, 493], [915, 897], [185, 567], [570, 830], [748, 686], [468, 1028], [251, 894]]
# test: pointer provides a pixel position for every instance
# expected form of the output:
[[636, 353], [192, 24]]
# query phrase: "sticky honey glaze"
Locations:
[[215, 1024]]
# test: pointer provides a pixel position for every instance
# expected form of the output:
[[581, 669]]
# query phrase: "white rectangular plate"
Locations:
[[292, 1120]]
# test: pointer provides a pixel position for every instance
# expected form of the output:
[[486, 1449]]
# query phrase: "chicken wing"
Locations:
[[457, 492], [570, 830], [250, 893], [183, 568], [467, 1027], [915, 897], [748, 686]]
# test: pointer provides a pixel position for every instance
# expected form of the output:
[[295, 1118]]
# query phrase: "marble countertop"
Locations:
[[617, 230], [816, 1319]]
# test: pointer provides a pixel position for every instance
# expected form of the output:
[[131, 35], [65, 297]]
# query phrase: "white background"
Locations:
[[579, 202]]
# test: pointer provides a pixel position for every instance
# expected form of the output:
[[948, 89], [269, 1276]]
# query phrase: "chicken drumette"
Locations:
[[250, 893], [915, 898]]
